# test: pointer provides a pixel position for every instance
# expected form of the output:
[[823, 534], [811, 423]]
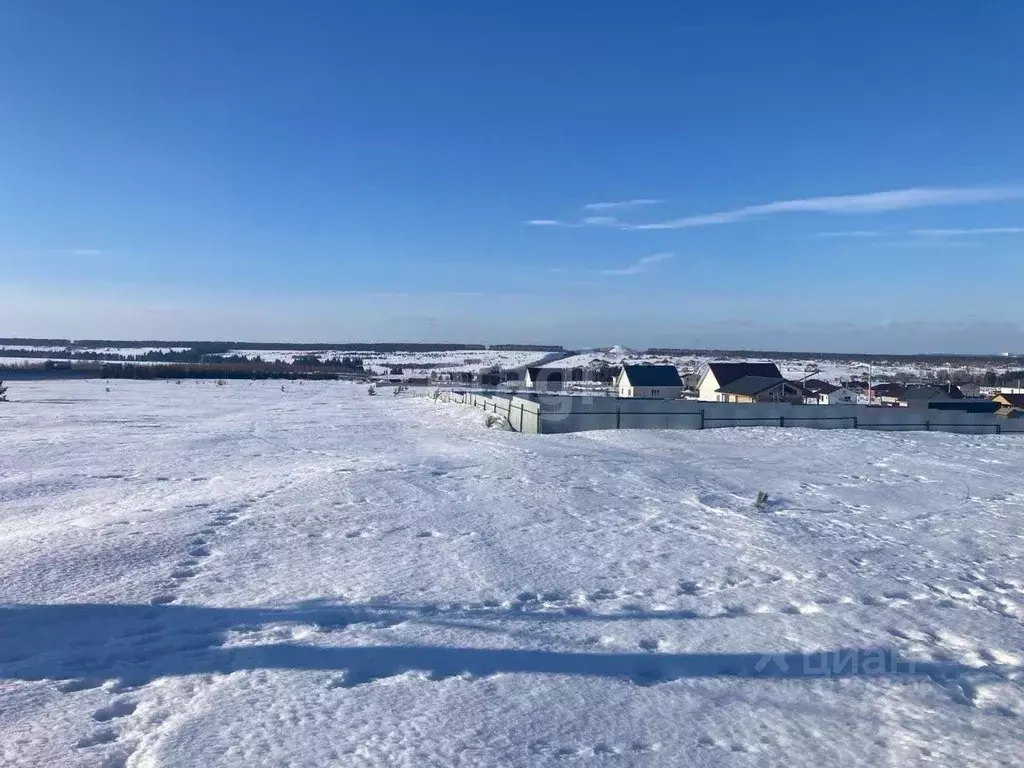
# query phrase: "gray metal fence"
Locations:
[[552, 414]]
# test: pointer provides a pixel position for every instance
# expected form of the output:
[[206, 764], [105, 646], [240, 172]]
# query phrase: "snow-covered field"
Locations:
[[194, 575], [413, 362]]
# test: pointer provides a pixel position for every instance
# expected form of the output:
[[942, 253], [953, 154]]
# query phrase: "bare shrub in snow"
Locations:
[[3, 393]]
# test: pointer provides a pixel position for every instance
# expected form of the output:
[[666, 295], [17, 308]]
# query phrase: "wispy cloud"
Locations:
[[855, 233], [81, 251], [968, 232], [917, 237], [619, 205], [640, 265], [874, 202], [928, 243]]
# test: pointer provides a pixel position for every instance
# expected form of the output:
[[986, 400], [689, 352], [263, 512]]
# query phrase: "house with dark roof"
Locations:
[[544, 379], [718, 382], [661, 381], [888, 393]]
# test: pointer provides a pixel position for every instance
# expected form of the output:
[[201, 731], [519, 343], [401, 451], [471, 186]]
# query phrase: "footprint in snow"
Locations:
[[102, 736], [121, 708]]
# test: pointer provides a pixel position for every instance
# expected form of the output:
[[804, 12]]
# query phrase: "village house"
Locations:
[[662, 381], [747, 383]]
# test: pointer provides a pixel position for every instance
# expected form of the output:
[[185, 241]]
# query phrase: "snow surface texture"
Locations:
[[244, 576]]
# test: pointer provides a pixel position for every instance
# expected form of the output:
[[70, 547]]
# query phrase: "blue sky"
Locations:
[[797, 175]]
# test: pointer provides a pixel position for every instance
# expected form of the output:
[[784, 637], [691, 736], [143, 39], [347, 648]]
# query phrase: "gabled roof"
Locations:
[[726, 373], [752, 385], [652, 375], [817, 385], [825, 388], [545, 374]]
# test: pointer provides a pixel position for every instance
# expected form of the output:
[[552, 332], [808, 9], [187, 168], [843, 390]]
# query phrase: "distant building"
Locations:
[[649, 381], [920, 395], [889, 393], [545, 379], [823, 393], [970, 389]]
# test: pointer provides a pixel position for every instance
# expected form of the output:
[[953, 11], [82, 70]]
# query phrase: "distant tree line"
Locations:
[[214, 347], [527, 347], [214, 371], [224, 346]]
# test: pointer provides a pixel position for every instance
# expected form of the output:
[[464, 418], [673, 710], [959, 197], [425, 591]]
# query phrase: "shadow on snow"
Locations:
[[139, 643]]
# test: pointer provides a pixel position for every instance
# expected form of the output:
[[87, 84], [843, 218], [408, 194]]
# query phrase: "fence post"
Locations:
[[782, 421], [928, 426], [702, 418], [618, 417], [856, 424]]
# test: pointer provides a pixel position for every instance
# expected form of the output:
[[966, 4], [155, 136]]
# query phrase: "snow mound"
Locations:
[[620, 351]]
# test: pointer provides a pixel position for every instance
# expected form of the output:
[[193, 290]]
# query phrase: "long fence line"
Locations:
[[549, 414]]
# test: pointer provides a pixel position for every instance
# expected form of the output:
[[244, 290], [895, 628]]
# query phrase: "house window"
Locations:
[[655, 392]]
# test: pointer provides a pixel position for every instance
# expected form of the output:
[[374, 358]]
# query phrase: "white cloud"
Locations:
[[640, 265], [619, 205], [544, 223], [874, 202], [82, 252], [601, 221]]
